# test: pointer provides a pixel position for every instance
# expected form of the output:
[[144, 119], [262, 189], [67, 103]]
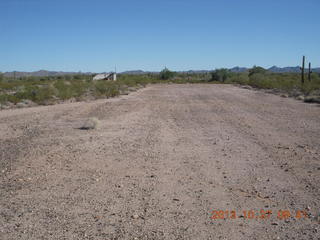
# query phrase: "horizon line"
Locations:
[[130, 70]]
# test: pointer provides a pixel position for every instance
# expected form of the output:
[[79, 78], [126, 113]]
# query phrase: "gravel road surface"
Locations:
[[159, 165]]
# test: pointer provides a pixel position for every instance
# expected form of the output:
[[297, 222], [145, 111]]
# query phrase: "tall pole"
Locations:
[[302, 69], [309, 72]]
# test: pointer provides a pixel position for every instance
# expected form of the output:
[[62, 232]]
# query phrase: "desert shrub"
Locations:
[[79, 87], [91, 123], [239, 78], [256, 70], [166, 74], [8, 98], [127, 80], [69, 89], [4, 98], [43, 94], [133, 80], [259, 77], [268, 81], [108, 89], [36, 93], [77, 77], [67, 77], [63, 90], [220, 75], [259, 80], [313, 86]]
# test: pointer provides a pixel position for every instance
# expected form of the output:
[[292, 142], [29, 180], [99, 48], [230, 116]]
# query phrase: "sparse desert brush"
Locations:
[[71, 88], [38, 94], [52, 88], [239, 78], [90, 124], [288, 82], [63, 90], [107, 89]]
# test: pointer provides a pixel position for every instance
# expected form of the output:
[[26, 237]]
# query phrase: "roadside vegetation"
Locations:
[[49, 90], [287, 84], [52, 89]]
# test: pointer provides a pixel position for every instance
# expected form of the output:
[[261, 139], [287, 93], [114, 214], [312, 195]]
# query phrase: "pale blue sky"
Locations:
[[74, 35]]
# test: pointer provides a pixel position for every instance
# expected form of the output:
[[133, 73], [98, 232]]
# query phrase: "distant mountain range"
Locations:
[[44, 73], [135, 72], [41, 73], [276, 69], [296, 69], [273, 69]]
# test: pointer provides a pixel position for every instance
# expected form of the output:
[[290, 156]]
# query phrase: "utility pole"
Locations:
[[302, 69], [309, 73]]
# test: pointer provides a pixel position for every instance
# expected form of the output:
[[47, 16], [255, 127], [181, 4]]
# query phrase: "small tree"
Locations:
[[220, 75], [166, 74], [1, 76], [256, 70]]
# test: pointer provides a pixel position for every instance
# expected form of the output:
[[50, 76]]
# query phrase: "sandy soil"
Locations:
[[160, 162]]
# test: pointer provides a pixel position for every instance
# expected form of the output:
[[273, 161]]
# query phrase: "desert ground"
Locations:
[[158, 165]]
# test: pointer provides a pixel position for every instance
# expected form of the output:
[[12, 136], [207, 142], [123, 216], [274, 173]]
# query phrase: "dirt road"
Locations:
[[162, 160]]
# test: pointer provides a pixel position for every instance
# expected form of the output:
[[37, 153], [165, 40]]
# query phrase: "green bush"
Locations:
[[36, 93], [70, 89], [107, 89], [166, 74], [220, 75], [257, 70], [63, 89], [239, 78], [8, 98], [260, 80]]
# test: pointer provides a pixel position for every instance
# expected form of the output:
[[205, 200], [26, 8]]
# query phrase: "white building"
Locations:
[[106, 76]]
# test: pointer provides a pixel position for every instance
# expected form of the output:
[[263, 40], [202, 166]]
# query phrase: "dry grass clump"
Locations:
[[90, 124]]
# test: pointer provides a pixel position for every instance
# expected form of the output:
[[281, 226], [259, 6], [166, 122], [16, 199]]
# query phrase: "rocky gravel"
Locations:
[[162, 161]]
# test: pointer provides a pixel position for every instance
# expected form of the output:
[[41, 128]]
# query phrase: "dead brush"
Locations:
[[90, 124]]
